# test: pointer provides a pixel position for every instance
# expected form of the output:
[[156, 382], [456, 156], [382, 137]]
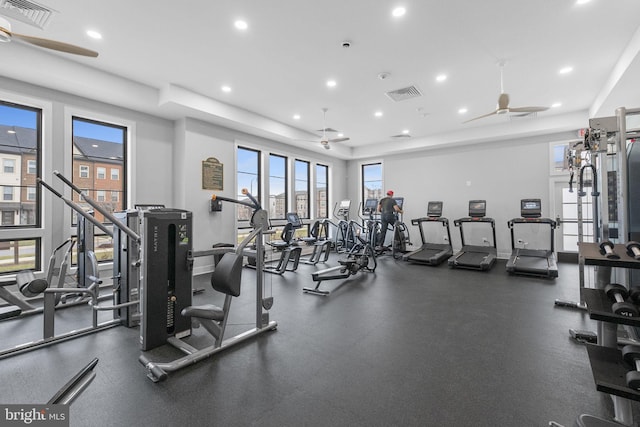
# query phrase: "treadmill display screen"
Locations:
[[400, 201], [434, 209], [345, 204], [477, 208], [530, 208]]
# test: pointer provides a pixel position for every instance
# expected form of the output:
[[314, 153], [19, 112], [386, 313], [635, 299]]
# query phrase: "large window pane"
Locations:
[[248, 176], [372, 181], [322, 191], [302, 188], [17, 255], [20, 146], [98, 147], [277, 186]]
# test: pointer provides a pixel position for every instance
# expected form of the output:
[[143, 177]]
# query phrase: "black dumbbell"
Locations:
[[631, 355], [633, 250], [606, 249], [634, 294], [619, 294]]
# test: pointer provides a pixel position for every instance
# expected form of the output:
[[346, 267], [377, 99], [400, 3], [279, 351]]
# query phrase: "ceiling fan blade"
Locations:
[[481, 117], [528, 109], [327, 130], [55, 45], [339, 140]]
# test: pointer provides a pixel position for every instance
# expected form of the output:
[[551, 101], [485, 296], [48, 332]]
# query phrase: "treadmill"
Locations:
[[478, 256], [532, 261], [431, 253]]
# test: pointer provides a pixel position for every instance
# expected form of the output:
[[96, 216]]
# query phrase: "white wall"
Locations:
[[501, 173]]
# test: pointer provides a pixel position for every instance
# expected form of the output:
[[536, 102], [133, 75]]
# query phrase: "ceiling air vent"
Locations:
[[27, 11], [400, 136], [404, 93]]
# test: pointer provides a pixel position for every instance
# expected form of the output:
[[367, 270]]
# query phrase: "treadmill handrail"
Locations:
[[549, 221], [443, 220], [458, 221]]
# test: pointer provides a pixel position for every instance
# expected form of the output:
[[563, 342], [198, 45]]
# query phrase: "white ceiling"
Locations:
[[170, 59]]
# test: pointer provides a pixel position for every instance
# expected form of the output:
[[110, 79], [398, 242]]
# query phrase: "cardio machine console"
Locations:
[[434, 209], [477, 208], [530, 208], [370, 207]]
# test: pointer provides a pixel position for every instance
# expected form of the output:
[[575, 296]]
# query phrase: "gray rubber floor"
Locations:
[[408, 345]]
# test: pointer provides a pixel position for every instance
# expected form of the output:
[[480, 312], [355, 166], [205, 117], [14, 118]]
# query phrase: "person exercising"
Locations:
[[388, 207]]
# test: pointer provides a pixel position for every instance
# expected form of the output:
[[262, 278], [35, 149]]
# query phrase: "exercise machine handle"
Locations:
[[135, 236]]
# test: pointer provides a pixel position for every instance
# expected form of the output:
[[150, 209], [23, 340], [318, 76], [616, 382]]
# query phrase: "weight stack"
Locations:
[[165, 275]]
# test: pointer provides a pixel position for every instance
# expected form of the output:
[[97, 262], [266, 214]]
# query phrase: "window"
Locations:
[[277, 187], [100, 147], [302, 188], [114, 196], [20, 149], [372, 181], [7, 193], [9, 165], [20, 254], [115, 174], [32, 167], [322, 196], [248, 176]]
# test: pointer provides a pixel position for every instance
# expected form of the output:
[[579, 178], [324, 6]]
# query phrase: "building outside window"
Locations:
[[9, 165], [115, 174], [248, 176], [84, 171], [101, 173]]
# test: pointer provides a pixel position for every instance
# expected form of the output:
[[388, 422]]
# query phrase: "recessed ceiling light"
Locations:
[[565, 70], [296, 117], [556, 105], [378, 114], [405, 131], [331, 83], [462, 110], [94, 34], [226, 89], [441, 77], [581, 2], [241, 25], [340, 135], [398, 12]]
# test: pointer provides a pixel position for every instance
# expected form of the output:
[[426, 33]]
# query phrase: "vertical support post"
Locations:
[[49, 315]]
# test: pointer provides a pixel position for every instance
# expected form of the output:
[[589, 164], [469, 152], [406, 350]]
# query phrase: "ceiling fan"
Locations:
[[503, 102], [6, 35], [324, 141]]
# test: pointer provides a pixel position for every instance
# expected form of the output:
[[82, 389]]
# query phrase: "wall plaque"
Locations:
[[212, 174]]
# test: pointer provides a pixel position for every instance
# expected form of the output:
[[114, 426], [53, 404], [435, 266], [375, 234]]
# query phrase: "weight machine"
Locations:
[[88, 294], [609, 150], [226, 278]]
